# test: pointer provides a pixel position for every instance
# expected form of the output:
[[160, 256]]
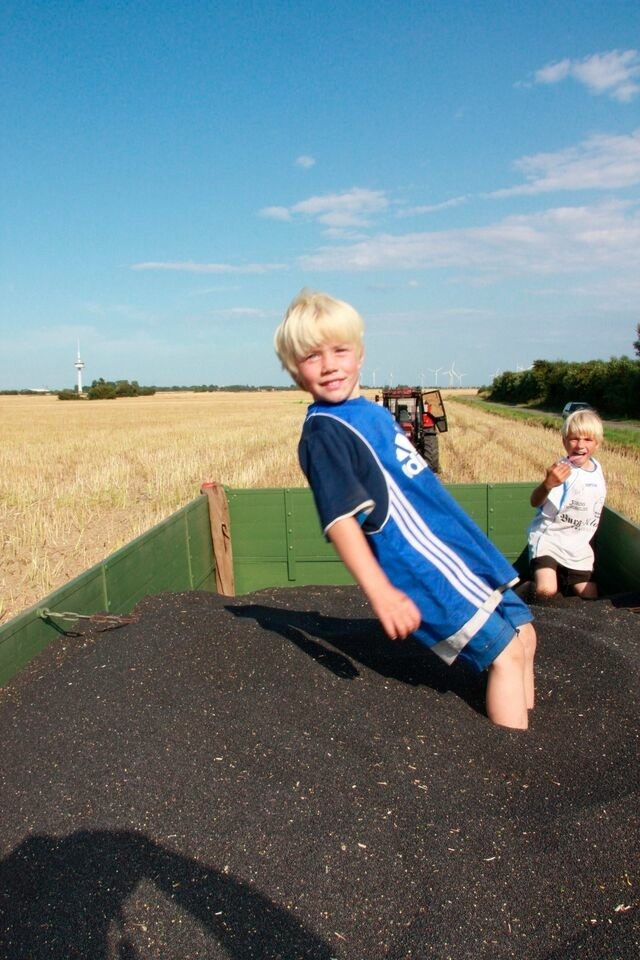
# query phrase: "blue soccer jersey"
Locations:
[[359, 463]]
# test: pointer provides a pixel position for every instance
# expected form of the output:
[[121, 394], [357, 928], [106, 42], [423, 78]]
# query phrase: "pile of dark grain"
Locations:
[[267, 777]]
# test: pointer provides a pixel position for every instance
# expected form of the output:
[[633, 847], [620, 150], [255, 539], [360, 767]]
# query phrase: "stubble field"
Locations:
[[80, 479]]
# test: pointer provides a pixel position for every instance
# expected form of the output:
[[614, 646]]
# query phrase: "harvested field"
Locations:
[[80, 479], [267, 777]]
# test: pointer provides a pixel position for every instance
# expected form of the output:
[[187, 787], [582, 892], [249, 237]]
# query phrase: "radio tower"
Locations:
[[79, 365]]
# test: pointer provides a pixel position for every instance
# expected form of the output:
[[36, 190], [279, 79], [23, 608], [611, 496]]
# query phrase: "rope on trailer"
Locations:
[[102, 619]]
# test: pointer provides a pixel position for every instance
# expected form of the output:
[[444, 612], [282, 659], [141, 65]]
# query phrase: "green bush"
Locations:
[[108, 390], [69, 395], [612, 387]]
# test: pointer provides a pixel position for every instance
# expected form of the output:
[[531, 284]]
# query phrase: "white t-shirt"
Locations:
[[568, 519]]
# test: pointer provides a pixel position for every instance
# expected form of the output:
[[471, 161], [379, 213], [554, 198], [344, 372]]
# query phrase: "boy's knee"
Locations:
[[587, 590], [513, 655], [546, 588], [545, 583], [528, 638]]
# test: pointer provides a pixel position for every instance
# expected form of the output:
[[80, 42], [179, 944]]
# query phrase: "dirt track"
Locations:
[[267, 777]]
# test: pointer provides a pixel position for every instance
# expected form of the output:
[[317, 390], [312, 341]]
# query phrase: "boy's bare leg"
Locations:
[[528, 637], [587, 590], [546, 581], [506, 693]]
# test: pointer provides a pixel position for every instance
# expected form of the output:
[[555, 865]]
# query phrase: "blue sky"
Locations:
[[465, 173]]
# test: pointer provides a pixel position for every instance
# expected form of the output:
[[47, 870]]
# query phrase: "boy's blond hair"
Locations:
[[583, 423], [312, 320]]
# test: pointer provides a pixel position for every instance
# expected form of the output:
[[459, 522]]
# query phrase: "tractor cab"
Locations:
[[421, 415]]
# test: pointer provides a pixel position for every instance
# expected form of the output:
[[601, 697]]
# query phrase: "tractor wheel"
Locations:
[[431, 453]]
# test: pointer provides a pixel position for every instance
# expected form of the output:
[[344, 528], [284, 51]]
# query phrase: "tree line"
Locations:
[[109, 390], [611, 386]]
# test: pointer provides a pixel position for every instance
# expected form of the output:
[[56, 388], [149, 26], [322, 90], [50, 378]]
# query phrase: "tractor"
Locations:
[[421, 415]]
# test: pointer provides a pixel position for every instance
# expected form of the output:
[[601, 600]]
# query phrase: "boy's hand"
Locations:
[[556, 474], [396, 612]]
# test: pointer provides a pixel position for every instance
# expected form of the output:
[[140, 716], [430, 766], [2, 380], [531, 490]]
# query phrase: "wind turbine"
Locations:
[[453, 373], [79, 365]]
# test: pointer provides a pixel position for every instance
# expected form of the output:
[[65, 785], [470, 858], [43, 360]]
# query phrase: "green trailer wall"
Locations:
[[174, 555], [617, 549], [277, 542]]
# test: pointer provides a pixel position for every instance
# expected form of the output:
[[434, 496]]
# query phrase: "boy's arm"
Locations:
[[555, 476], [397, 613]]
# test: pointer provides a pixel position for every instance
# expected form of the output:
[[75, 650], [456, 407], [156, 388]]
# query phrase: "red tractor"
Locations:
[[421, 415]]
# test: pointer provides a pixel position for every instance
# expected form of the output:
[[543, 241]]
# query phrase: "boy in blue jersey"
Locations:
[[422, 563]]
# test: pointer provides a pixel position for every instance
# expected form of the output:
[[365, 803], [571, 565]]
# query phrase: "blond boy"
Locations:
[[569, 501], [424, 566]]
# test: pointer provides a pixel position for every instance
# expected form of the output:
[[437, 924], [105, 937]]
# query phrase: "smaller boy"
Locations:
[[422, 563], [569, 501]]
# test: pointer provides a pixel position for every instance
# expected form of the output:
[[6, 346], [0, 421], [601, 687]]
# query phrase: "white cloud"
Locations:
[[433, 207], [276, 213], [555, 241], [188, 266], [352, 208], [554, 72], [220, 288], [305, 161], [120, 310], [472, 312], [614, 73], [621, 296], [601, 162], [239, 312]]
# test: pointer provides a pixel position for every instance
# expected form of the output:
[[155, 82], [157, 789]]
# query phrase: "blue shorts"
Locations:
[[496, 633]]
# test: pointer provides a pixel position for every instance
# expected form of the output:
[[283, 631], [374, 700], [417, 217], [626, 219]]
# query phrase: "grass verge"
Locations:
[[620, 436]]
